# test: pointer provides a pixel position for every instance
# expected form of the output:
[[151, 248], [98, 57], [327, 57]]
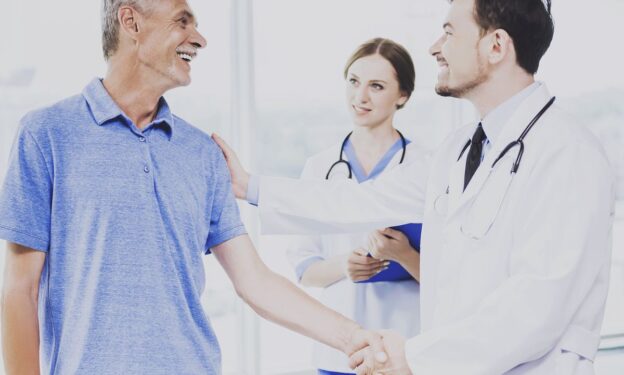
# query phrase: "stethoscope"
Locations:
[[438, 206], [517, 143], [341, 160]]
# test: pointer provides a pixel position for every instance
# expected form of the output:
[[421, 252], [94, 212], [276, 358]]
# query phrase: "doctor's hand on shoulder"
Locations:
[[363, 363], [360, 267], [240, 177]]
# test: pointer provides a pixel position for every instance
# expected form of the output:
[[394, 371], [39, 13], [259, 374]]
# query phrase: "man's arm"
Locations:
[[20, 324], [278, 300], [292, 206]]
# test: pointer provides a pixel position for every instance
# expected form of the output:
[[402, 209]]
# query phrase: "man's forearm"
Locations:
[[276, 299], [20, 333]]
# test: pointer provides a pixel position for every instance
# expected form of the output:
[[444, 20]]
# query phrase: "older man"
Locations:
[[108, 205]]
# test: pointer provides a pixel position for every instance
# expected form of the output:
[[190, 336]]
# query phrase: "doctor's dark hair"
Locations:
[[395, 54], [529, 23], [110, 22]]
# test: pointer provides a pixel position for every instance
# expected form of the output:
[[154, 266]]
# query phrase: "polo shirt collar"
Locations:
[[104, 108]]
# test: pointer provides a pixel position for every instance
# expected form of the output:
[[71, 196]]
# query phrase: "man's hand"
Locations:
[[394, 344], [389, 244], [240, 177], [370, 343], [361, 267]]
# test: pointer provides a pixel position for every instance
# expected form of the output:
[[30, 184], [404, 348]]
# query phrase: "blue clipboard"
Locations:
[[396, 272]]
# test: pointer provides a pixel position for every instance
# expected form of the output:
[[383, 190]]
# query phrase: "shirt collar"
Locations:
[[104, 108], [494, 121]]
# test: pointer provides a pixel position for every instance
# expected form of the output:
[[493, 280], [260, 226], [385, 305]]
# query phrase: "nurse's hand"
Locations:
[[363, 363], [389, 244], [240, 177], [361, 267]]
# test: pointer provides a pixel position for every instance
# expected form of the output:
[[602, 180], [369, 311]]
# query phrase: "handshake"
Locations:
[[378, 353]]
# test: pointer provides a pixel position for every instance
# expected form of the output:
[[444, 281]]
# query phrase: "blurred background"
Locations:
[[270, 82]]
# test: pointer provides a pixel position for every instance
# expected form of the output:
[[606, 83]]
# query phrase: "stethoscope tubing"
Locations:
[[342, 160]]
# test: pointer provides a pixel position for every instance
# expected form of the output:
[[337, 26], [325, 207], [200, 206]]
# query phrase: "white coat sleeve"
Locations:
[[290, 206], [304, 250], [562, 246]]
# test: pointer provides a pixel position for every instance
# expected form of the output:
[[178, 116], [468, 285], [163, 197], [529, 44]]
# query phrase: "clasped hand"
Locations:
[[367, 361]]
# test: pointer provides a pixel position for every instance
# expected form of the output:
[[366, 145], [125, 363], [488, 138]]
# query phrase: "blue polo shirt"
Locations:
[[124, 217]]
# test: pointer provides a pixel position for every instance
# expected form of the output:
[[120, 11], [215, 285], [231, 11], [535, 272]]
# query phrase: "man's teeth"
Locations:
[[185, 56]]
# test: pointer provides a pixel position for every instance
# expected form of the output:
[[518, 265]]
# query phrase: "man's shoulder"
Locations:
[[189, 131], [191, 136], [56, 115]]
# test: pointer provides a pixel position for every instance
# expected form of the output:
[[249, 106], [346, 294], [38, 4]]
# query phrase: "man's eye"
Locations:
[[184, 21]]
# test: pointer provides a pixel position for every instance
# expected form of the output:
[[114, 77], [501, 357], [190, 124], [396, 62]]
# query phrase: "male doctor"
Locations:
[[518, 211]]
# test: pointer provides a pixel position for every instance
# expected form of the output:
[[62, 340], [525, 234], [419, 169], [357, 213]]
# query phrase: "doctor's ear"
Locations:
[[128, 18], [500, 46]]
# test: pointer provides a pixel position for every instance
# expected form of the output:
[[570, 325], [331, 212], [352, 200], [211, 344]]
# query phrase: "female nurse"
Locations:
[[369, 277]]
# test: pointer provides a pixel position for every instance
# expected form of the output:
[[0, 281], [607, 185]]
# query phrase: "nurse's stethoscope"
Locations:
[[441, 202], [346, 164]]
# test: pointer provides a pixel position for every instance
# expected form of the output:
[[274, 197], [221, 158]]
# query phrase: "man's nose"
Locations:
[[435, 47], [198, 40]]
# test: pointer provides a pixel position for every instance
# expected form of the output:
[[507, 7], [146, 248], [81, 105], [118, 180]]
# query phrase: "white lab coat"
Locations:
[[528, 296], [380, 305]]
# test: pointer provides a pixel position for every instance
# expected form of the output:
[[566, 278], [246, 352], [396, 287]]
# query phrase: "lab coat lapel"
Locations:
[[510, 132], [456, 182]]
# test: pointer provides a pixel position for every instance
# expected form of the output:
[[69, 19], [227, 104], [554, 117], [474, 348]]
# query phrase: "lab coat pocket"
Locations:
[[577, 345], [487, 204]]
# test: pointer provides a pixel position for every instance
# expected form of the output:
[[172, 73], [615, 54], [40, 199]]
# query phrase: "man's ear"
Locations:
[[501, 45], [128, 19]]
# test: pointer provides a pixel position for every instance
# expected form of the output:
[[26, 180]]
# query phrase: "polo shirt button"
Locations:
[[146, 169], [141, 139]]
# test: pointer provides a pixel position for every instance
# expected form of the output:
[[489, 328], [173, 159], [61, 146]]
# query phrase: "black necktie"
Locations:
[[474, 154]]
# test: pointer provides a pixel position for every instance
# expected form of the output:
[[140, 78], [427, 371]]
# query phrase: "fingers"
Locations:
[[370, 358], [360, 268], [361, 251], [240, 177], [392, 233], [363, 260], [227, 150], [376, 246]]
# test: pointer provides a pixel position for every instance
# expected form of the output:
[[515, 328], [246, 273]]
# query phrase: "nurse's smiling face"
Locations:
[[373, 93]]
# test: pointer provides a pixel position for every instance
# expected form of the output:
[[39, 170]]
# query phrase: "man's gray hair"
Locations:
[[110, 23]]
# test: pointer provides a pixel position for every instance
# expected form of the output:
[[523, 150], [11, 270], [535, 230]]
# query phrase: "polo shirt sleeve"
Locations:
[[225, 221], [26, 195]]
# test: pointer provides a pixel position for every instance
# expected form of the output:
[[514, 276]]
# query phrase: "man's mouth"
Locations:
[[187, 56], [442, 63]]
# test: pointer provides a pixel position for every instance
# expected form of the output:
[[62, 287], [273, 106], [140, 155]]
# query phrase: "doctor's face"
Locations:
[[458, 52], [373, 92]]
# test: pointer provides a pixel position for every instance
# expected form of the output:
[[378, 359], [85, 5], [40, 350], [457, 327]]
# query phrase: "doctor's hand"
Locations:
[[361, 339], [363, 363], [361, 267], [240, 177], [390, 244]]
